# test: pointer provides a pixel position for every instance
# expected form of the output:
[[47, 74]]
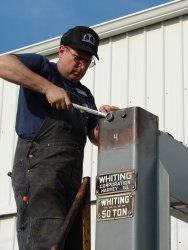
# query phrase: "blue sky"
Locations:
[[25, 22]]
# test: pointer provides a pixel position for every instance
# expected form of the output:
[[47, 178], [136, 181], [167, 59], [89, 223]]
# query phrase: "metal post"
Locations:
[[127, 183]]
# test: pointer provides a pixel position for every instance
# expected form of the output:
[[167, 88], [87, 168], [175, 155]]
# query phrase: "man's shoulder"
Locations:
[[35, 62], [30, 56]]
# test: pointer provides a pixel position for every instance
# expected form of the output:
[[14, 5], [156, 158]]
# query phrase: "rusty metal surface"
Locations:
[[76, 206], [121, 131], [86, 221]]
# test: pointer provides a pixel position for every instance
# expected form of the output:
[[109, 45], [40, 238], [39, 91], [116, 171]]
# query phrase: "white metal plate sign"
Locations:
[[115, 206], [116, 182]]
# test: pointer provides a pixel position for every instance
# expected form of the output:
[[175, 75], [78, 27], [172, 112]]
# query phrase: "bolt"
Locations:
[[109, 117], [123, 113], [9, 174]]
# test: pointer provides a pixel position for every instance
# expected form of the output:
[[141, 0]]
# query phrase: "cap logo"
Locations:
[[89, 38]]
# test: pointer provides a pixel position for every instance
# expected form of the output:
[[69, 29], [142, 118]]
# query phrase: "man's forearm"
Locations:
[[12, 70]]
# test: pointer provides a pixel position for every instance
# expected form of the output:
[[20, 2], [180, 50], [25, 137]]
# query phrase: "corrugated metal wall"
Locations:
[[146, 67]]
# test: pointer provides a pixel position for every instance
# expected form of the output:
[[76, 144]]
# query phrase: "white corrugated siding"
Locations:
[[144, 67]]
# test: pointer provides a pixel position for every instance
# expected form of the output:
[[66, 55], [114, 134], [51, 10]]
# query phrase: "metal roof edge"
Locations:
[[143, 18], [46, 47], [117, 26]]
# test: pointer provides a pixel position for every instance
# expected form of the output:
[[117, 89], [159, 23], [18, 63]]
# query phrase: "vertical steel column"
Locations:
[[126, 182]]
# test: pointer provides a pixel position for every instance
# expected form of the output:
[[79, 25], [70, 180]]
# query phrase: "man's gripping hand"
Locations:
[[57, 97]]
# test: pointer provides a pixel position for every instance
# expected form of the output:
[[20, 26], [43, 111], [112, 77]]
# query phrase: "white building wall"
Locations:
[[143, 62]]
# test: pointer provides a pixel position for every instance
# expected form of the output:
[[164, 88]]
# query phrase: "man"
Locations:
[[48, 161]]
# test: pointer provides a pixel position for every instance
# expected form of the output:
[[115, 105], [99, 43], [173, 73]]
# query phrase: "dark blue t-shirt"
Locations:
[[33, 106]]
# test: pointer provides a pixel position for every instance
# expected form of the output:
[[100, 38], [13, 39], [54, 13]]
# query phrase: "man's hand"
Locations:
[[94, 133], [57, 97], [108, 108]]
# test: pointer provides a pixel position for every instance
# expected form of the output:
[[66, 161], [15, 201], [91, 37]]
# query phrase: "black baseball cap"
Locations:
[[82, 38]]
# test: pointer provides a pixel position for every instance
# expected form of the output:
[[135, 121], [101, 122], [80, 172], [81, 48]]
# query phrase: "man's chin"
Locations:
[[75, 79]]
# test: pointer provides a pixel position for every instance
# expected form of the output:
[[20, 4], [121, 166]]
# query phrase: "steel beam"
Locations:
[[174, 157], [128, 186]]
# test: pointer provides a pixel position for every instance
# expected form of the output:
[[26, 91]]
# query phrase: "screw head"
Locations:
[[109, 117], [123, 113]]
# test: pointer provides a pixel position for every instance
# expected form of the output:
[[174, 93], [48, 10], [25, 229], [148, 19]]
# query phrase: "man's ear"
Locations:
[[61, 50]]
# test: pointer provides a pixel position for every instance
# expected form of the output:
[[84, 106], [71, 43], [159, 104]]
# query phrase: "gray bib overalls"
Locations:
[[46, 175]]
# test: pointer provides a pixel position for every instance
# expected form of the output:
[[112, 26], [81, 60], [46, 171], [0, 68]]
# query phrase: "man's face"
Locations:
[[73, 64]]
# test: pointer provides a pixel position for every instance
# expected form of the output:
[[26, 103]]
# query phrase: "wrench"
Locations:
[[108, 116]]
